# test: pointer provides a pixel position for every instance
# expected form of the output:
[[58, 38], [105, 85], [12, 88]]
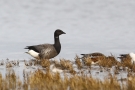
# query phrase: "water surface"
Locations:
[[106, 26]]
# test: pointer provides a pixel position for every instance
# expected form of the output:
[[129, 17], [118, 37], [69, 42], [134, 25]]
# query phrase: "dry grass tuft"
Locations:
[[88, 61], [111, 84], [126, 63], [45, 63], [40, 80], [78, 62], [66, 64], [47, 80], [107, 61], [43, 81]]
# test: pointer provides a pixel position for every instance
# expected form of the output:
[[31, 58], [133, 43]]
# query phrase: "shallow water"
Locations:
[[95, 71], [105, 26]]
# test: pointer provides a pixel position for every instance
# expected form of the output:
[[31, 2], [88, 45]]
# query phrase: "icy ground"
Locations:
[[95, 71]]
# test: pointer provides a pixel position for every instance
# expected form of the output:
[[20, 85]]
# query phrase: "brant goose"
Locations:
[[130, 57], [46, 51], [93, 56], [124, 57]]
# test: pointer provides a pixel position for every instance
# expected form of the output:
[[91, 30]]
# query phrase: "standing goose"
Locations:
[[46, 51]]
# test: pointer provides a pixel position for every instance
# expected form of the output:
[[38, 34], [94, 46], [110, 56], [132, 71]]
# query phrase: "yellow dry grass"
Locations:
[[78, 62], [40, 80], [66, 64], [48, 81], [45, 63]]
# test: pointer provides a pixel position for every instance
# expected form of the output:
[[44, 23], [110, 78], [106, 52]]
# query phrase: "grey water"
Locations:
[[106, 26]]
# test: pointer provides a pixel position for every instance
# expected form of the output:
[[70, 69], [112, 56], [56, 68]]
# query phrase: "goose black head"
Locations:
[[58, 32]]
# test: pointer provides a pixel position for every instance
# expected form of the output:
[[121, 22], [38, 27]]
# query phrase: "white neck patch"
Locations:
[[57, 37]]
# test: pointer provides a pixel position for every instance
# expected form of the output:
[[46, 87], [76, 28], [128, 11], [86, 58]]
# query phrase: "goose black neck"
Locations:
[[57, 44]]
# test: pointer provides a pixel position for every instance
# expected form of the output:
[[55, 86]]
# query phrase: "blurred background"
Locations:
[[106, 26]]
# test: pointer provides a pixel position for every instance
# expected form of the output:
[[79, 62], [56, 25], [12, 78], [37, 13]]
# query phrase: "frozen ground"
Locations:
[[95, 71], [91, 25]]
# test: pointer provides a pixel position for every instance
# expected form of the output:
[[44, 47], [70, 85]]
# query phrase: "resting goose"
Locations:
[[130, 57], [46, 51]]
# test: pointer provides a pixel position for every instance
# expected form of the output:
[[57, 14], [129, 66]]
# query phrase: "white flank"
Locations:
[[132, 55], [33, 53]]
